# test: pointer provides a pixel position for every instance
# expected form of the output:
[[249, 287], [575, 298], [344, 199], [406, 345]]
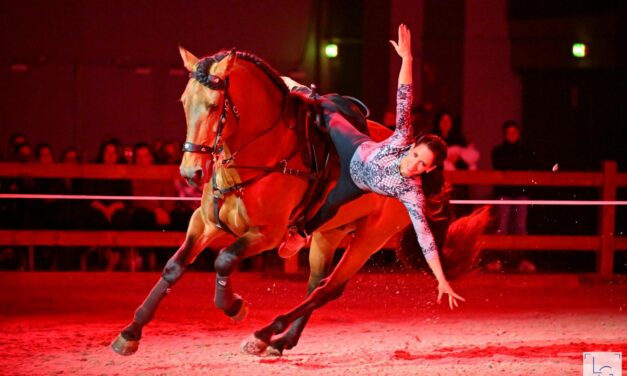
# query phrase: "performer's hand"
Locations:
[[445, 288], [403, 47]]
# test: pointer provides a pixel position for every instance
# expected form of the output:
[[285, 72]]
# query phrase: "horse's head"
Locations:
[[206, 111], [226, 92]]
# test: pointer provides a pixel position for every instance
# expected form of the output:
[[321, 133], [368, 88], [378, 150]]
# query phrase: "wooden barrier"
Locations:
[[605, 242], [88, 171], [71, 238]]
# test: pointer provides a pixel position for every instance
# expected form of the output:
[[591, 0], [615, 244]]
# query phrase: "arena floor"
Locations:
[[385, 324]]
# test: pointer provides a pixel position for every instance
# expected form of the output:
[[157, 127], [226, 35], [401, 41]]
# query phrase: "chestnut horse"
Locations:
[[242, 140]]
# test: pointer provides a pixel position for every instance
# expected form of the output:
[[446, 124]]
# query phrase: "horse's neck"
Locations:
[[262, 130]]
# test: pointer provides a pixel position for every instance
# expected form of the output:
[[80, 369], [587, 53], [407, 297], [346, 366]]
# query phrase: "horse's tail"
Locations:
[[458, 243]]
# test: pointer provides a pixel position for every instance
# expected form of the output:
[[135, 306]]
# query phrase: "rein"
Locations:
[[202, 75]]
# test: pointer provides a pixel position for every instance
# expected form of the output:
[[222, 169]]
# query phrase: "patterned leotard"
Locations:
[[375, 167]]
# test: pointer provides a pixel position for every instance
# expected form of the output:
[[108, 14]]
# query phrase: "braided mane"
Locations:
[[271, 73]]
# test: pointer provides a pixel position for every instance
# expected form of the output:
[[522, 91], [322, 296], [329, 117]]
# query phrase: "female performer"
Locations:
[[408, 169]]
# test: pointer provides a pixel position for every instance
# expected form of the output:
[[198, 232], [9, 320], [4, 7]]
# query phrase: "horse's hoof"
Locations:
[[124, 346], [242, 309], [253, 346], [242, 314], [273, 351]]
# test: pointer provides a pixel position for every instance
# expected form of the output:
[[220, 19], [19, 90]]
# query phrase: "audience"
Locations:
[[511, 155], [150, 214], [141, 215], [14, 213], [15, 140], [419, 118], [159, 215], [106, 214], [169, 153], [46, 213], [22, 153], [461, 155]]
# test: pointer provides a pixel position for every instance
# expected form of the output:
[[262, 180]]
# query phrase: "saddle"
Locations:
[[320, 154], [353, 110]]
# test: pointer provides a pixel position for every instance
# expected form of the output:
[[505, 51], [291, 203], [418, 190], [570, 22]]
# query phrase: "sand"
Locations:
[[385, 324]]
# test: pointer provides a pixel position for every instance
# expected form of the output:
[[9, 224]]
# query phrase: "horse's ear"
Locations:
[[189, 60], [224, 66]]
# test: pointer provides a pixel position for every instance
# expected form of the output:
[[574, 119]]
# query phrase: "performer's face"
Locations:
[[418, 160]]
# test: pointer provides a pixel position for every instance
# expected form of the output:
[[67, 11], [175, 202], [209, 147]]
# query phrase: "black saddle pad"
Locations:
[[351, 111]]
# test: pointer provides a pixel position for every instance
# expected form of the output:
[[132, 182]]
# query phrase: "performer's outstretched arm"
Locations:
[[404, 133], [403, 49], [414, 202]]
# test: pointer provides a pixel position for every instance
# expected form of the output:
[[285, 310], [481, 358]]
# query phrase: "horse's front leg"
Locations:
[[321, 252], [199, 235], [251, 243]]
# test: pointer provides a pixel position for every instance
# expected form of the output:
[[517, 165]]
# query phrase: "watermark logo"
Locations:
[[602, 364]]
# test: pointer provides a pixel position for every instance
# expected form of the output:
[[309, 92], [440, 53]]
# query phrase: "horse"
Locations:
[[242, 139]]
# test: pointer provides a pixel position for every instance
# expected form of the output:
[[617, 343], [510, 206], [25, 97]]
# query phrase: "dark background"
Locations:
[[75, 72]]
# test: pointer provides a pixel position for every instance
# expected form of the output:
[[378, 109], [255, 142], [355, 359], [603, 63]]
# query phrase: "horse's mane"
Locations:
[[270, 72], [345, 106]]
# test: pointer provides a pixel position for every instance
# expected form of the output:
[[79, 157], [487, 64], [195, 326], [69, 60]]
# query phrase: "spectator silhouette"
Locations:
[[511, 155]]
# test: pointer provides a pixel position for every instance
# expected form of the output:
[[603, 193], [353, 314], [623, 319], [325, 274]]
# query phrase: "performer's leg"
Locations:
[[346, 140], [345, 137], [520, 217], [344, 191], [504, 217]]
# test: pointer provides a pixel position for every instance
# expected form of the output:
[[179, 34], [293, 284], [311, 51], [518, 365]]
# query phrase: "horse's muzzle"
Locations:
[[196, 180], [194, 176], [196, 169]]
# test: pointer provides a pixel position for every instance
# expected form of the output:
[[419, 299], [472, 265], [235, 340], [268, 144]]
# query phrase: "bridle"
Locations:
[[213, 82], [202, 75]]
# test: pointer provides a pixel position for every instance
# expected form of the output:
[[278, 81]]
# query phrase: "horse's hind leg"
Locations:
[[323, 247], [250, 244], [198, 236], [365, 243]]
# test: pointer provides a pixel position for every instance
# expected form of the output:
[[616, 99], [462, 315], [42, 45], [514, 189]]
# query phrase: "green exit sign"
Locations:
[[580, 50]]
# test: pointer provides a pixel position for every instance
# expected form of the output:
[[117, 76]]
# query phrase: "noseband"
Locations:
[[202, 75]]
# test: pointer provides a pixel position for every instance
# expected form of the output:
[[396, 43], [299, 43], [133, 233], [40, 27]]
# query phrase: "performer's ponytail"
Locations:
[[434, 186]]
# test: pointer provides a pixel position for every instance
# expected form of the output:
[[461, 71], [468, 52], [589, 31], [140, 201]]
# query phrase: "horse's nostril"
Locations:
[[197, 178]]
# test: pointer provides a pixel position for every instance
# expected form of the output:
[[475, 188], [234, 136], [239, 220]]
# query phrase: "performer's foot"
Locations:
[[293, 242]]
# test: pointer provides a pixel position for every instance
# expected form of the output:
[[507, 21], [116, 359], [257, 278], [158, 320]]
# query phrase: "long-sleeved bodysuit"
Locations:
[[368, 166]]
